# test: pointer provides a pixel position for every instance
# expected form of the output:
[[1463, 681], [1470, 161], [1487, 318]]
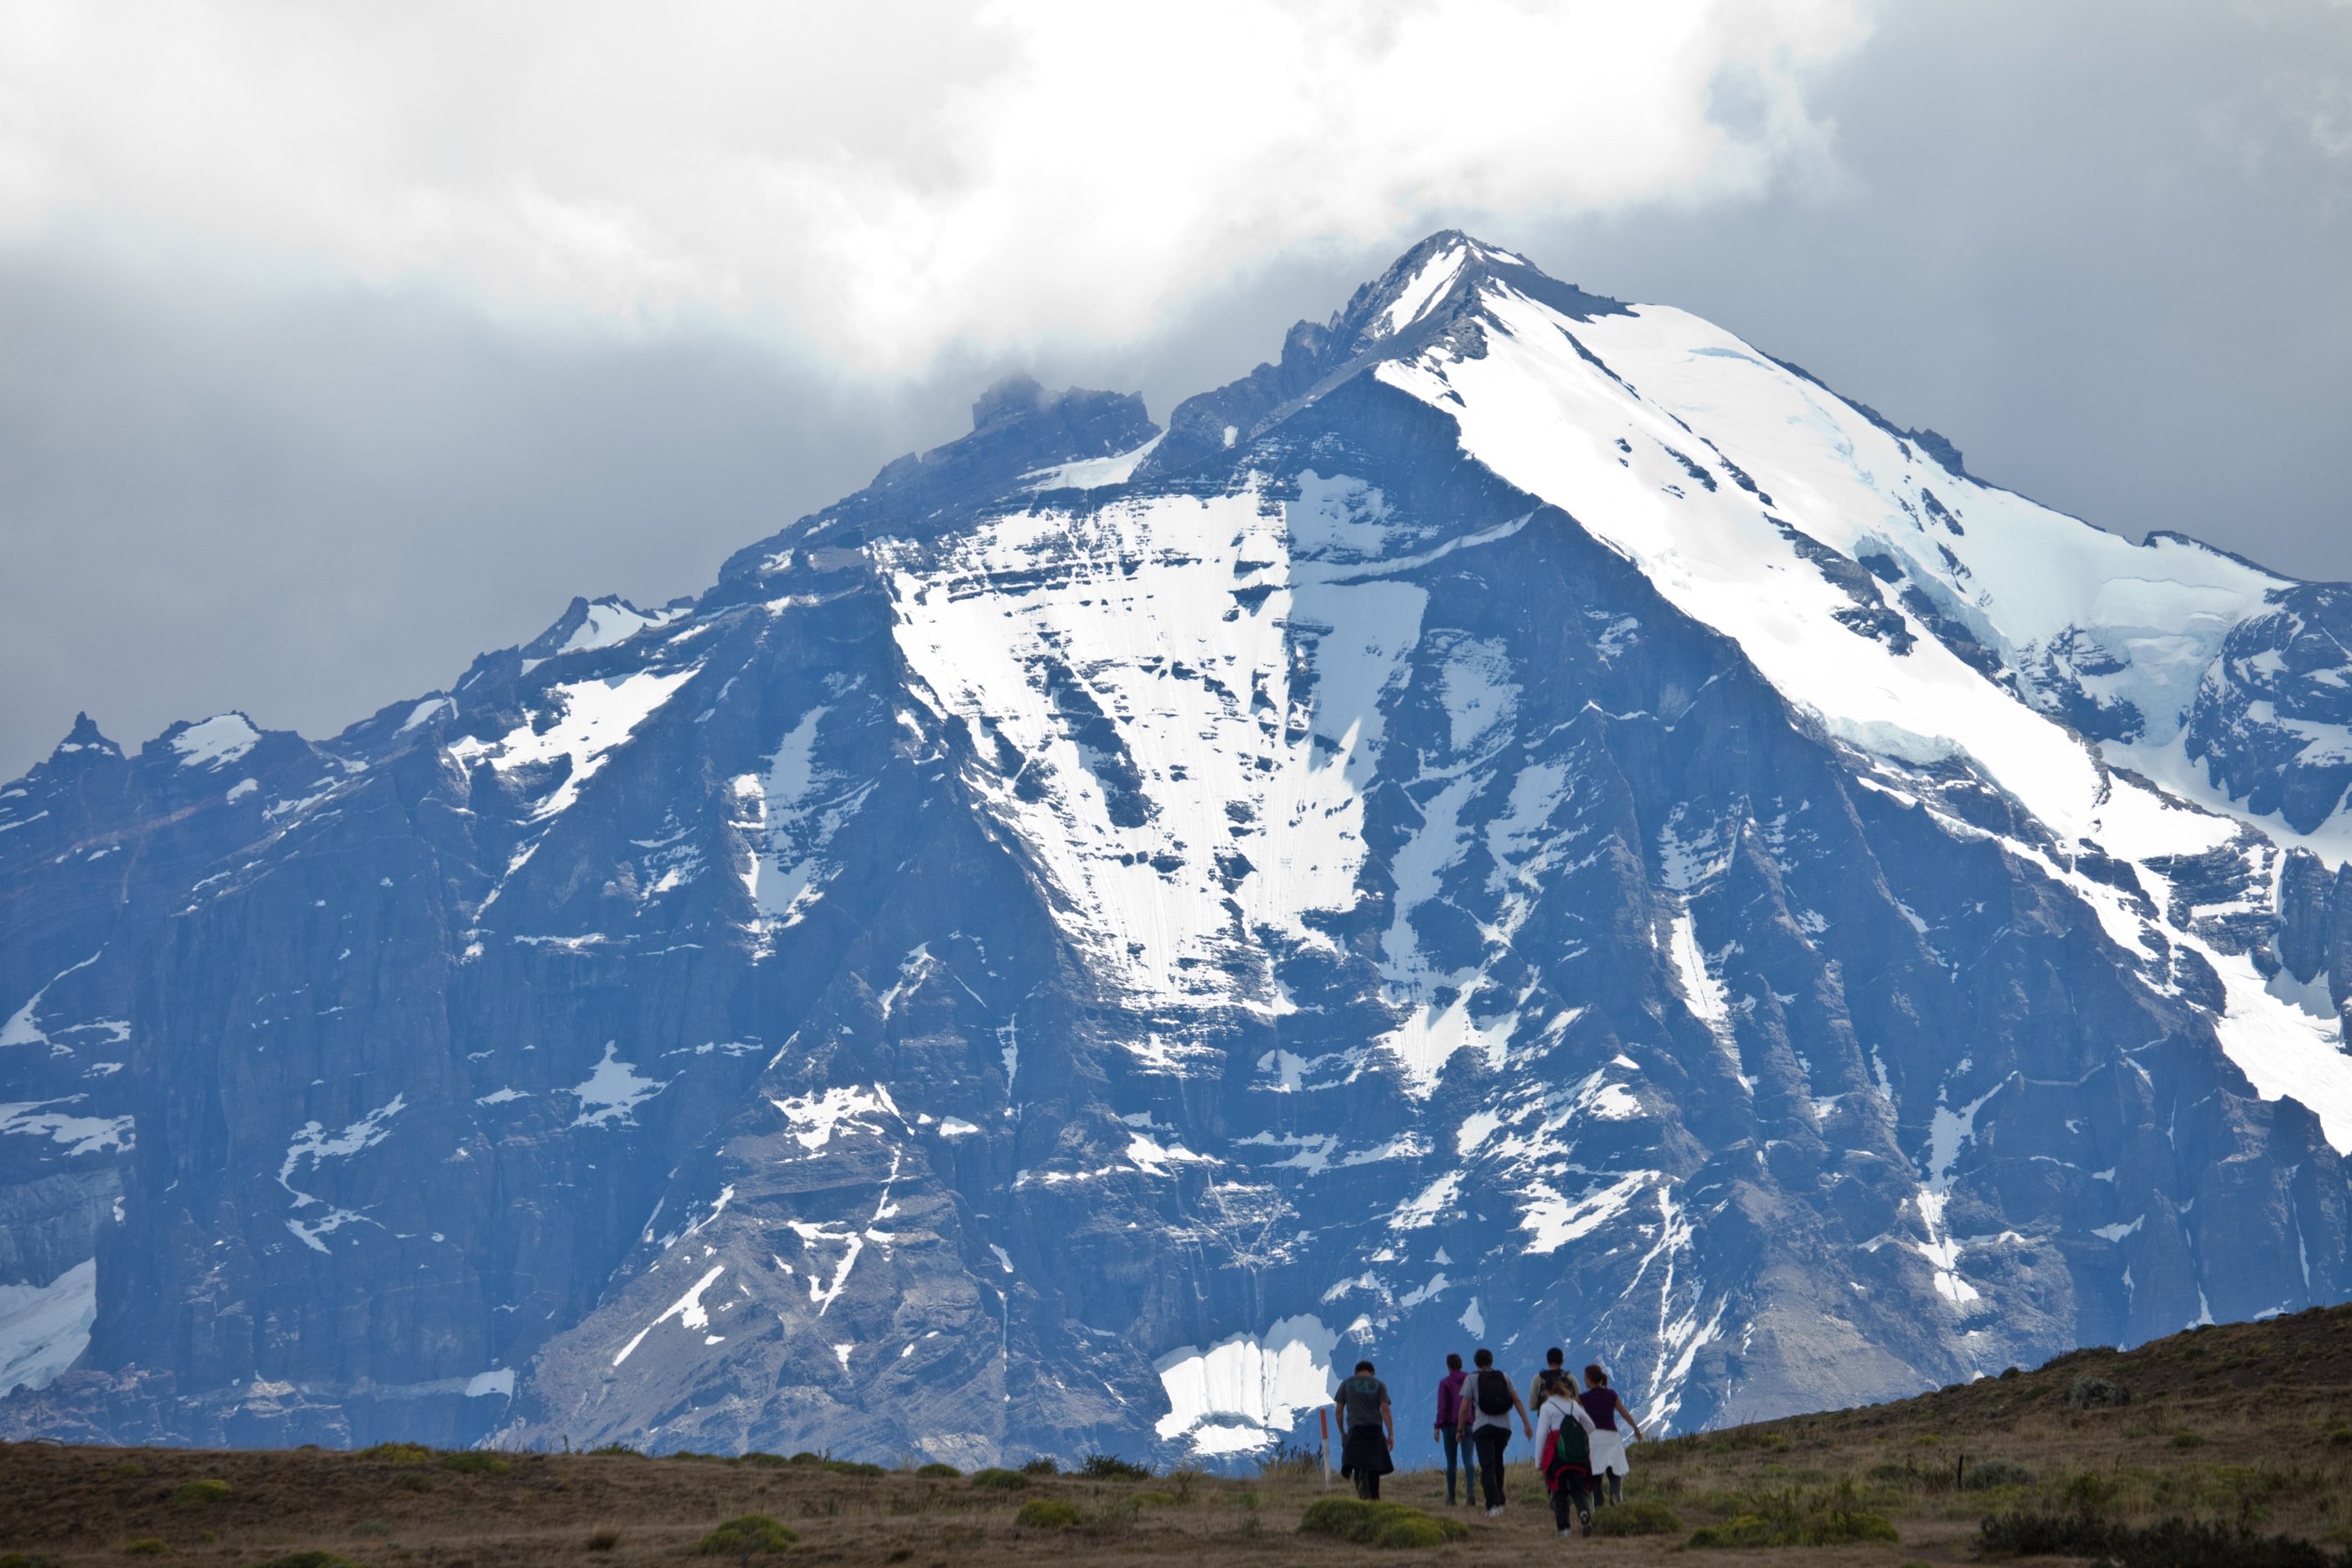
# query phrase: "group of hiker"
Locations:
[[1579, 1433]]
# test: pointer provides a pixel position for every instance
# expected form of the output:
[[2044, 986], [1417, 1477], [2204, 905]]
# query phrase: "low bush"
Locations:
[[2172, 1543], [1385, 1524], [312, 1559], [1111, 1467], [1044, 1513], [475, 1464], [604, 1538], [1828, 1526], [617, 1451], [412, 1481], [370, 1527], [938, 1472], [145, 1546], [396, 1453], [1000, 1479], [1640, 1517], [204, 1490], [2187, 1440], [2091, 1392], [1294, 1460], [851, 1468], [1041, 1466], [1987, 1474], [747, 1536]]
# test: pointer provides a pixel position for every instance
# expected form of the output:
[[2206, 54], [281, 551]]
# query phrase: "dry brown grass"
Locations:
[[2264, 1398]]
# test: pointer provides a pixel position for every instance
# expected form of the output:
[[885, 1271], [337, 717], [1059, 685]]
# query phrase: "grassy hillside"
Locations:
[[2247, 1425]]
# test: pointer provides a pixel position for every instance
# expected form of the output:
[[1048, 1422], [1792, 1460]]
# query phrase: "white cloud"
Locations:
[[891, 181]]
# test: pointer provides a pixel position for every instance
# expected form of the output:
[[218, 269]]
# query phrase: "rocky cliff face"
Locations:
[[1527, 822]]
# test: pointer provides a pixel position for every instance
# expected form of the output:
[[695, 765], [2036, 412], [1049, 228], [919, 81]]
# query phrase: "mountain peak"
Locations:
[[1430, 292], [86, 736]]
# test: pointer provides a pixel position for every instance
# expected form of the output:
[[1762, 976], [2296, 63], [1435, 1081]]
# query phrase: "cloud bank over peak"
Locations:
[[884, 183]]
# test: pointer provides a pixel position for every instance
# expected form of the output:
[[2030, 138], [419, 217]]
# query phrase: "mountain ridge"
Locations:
[[1527, 817]]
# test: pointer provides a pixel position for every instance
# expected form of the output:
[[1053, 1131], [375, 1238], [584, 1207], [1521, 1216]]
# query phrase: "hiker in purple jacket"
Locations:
[[1449, 1422], [1611, 1421]]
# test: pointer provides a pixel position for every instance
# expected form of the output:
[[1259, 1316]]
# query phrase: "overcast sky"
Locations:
[[337, 345]]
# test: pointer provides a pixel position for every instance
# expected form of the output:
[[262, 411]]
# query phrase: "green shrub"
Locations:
[[850, 1468], [1640, 1517], [747, 1535], [1389, 1524], [2091, 1392], [1000, 1479], [204, 1490], [371, 1527], [412, 1481], [1827, 1527], [1748, 1530], [806, 1458], [1041, 1465], [132, 1468], [1111, 1467], [313, 1559], [396, 1453], [475, 1464], [1839, 1529], [2188, 1440], [618, 1451], [2172, 1543], [1987, 1474], [1153, 1500], [1044, 1513], [604, 1538], [938, 1471], [145, 1546]]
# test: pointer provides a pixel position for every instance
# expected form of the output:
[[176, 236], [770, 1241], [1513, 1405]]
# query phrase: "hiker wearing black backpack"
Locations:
[[1564, 1451], [1367, 1430], [1488, 1401], [1554, 1374]]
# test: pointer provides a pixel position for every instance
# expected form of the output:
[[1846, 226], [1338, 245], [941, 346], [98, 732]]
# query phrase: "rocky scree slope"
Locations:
[[1525, 821]]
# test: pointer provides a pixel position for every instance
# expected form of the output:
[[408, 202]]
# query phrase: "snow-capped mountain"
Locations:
[[1527, 821]]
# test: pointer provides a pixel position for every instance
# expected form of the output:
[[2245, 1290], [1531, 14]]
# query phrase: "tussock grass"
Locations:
[[1045, 1513], [1383, 1524]]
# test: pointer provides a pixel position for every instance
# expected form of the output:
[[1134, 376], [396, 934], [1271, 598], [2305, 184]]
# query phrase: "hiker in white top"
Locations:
[[1488, 1401], [1611, 1420]]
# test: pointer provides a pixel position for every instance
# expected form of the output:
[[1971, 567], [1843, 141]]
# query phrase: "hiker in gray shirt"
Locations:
[[1367, 1429]]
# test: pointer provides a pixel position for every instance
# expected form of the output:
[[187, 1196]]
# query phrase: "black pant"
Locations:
[[1615, 1483], [1452, 1437], [1570, 1495], [1491, 1442]]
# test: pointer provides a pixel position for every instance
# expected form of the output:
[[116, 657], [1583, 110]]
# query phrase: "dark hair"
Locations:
[[1364, 1366], [1484, 1358], [1454, 1364], [1593, 1374], [1554, 1356]]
